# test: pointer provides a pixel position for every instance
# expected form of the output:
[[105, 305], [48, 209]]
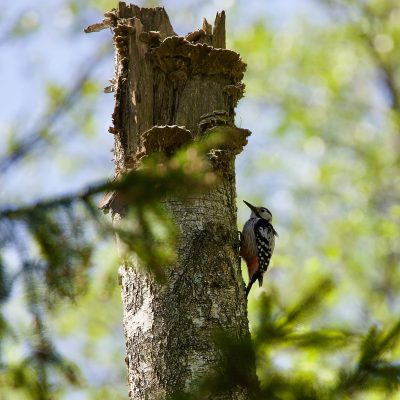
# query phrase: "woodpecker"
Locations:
[[257, 243]]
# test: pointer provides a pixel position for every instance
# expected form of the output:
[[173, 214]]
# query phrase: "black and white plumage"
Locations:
[[257, 243]]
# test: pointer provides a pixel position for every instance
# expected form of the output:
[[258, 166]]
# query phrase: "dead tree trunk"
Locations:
[[180, 87]]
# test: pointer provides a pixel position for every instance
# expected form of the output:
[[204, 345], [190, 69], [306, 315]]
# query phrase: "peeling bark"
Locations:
[[170, 90]]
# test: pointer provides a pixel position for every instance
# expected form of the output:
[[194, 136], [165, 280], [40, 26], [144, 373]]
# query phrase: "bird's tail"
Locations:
[[252, 280]]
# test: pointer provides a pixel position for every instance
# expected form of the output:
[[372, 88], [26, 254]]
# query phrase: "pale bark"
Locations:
[[185, 87]]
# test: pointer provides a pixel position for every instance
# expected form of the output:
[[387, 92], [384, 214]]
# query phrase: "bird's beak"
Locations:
[[250, 206]]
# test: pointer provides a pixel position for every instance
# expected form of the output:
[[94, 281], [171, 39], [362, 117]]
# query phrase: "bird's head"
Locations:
[[259, 212]]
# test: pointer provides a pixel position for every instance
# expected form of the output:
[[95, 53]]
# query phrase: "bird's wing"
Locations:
[[265, 239]]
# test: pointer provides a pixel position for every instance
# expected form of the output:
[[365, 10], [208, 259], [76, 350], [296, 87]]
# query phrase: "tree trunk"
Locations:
[[168, 86]]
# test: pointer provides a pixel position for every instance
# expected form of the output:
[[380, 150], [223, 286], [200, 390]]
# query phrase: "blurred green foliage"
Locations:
[[333, 84], [326, 324]]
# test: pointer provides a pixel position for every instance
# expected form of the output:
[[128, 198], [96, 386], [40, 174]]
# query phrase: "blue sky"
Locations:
[[55, 54]]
